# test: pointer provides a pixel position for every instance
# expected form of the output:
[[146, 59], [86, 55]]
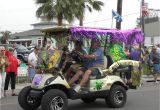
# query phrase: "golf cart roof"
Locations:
[[56, 29], [130, 36]]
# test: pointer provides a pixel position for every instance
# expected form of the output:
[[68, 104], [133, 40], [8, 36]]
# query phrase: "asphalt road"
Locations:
[[146, 97]]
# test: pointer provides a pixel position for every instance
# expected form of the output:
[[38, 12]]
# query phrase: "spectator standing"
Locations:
[[3, 64], [11, 72], [32, 62], [158, 49], [14, 49], [155, 61], [136, 54]]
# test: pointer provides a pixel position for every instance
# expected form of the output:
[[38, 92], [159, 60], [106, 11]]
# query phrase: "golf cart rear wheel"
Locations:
[[27, 102], [54, 100], [117, 97], [88, 100]]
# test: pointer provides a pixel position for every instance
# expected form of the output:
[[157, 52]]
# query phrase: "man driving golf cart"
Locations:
[[94, 60]]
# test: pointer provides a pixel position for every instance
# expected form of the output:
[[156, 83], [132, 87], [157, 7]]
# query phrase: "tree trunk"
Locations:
[[60, 18]]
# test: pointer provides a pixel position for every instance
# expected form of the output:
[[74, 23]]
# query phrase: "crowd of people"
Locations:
[[8, 70]]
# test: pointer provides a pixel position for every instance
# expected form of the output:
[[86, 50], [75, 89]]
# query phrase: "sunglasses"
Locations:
[[2, 50]]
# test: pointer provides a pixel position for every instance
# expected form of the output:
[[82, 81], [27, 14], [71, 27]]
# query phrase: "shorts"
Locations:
[[156, 68], [31, 72], [94, 70]]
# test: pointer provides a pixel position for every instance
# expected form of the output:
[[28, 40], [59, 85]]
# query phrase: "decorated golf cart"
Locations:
[[50, 89]]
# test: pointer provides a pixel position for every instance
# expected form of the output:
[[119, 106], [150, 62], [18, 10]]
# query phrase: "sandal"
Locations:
[[14, 94]]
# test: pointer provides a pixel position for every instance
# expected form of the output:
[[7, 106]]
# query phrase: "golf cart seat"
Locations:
[[120, 68], [99, 74]]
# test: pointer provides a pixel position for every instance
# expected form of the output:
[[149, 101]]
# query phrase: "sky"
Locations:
[[18, 15]]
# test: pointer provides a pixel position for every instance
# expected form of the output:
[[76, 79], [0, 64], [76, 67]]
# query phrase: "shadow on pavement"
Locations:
[[99, 104]]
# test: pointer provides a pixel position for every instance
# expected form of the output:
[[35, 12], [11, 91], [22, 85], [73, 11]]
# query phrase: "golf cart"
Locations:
[[50, 89]]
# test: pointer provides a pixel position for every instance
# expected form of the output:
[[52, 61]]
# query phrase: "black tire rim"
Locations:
[[31, 100], [118, 97], [57, 103]]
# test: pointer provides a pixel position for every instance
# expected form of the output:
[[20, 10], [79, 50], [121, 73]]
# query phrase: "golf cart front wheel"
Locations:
[[117, 97], [26, 101], [54, 100]]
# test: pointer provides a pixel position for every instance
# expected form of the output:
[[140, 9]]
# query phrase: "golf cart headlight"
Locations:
[[48, 81]]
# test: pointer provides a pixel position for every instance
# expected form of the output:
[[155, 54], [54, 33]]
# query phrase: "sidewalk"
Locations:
[[148, 77], [21, 86]]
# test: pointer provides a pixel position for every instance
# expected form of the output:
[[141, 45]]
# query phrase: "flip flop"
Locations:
[[14, 94]]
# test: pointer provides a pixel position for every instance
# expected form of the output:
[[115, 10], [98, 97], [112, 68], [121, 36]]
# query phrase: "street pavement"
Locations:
[[146, 97]]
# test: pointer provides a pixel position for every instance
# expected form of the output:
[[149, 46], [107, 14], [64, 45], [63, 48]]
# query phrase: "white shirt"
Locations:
[[33, 59], [158, 50]]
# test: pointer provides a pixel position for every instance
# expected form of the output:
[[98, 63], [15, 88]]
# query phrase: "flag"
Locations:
[[144, 9], [116, 16]]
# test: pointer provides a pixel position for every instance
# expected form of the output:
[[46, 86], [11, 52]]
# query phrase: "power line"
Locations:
[[111, 18]]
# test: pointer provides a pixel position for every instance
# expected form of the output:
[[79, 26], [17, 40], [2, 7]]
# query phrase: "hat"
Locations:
[[37, 47], [10, 49]]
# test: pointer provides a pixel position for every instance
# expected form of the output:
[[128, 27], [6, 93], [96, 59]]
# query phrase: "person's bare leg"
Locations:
[[85, 78], [12, 91], [5, 94], [68, 74], [155, 77], [76, 77]]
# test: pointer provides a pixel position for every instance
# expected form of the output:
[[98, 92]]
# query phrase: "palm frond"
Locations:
[[97, 5]]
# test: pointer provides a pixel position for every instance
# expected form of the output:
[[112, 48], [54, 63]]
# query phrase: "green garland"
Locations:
[[116, 52]]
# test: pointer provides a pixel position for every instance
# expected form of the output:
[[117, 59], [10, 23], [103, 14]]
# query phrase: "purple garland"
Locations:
[[129, 37]]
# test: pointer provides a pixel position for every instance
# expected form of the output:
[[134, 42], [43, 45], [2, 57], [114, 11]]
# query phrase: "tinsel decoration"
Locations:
[[129, 37], [116, 52]]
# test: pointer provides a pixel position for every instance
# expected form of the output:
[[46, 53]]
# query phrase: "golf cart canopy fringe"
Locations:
[[129, 37]]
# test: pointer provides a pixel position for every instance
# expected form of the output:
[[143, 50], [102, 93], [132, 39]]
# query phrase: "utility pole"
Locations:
[[142, 17], [119, 11]]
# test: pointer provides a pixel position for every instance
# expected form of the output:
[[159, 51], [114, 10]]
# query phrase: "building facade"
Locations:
[[152, 28], [33, 36]]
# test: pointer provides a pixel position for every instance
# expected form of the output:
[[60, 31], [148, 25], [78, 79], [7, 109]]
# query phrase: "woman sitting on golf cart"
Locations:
[[76, 56], [95, 59]]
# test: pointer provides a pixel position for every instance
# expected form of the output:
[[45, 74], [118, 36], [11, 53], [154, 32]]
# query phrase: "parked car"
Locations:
[[22, 53]]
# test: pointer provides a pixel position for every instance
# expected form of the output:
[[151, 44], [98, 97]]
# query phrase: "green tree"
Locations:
[[60, 9], [91, 5], [66, 9], [5, 36]]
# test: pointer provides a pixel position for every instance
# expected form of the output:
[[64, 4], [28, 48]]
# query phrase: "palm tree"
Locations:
[[89, 4], [60, 9], [5, 36], [66, 9]]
